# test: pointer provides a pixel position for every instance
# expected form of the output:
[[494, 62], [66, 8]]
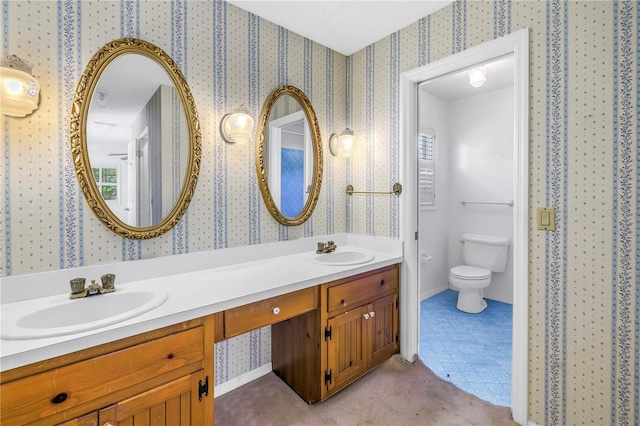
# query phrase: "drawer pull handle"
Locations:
[[60, 398], [275, 310], [372, 314], [366, 316], [343, 303], [381, 283], [108, 424]]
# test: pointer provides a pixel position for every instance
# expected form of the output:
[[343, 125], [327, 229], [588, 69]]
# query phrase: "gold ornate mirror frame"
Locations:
[[314, 129], [78, 137]]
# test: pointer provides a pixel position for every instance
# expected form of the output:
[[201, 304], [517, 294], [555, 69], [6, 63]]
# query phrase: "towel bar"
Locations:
[[397, 189]]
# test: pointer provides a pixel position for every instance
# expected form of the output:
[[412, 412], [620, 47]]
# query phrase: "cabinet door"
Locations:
[[346, 356], [382, 327], [175, 403], [90, 419]]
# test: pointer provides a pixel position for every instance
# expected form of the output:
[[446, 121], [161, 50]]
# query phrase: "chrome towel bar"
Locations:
[[505, 203]]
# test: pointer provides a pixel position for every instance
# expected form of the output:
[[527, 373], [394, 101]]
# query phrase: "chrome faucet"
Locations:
[[78, 290], [326, 247]]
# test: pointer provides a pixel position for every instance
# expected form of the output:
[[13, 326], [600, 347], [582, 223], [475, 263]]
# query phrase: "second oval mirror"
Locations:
[[289, 156]]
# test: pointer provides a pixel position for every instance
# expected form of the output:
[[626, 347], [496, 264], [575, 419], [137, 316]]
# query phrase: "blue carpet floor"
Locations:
[[473, 351]]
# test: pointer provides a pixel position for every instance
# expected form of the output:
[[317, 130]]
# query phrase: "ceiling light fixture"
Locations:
[[19, 90], [102, 98], [477, 76]]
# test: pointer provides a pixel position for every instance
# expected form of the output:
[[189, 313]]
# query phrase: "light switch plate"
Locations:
[[546, 218]]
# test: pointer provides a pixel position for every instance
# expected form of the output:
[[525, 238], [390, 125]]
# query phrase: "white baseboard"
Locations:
[[243, 379], [432, 292]]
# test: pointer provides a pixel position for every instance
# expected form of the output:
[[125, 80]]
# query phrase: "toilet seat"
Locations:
[[465, 272]]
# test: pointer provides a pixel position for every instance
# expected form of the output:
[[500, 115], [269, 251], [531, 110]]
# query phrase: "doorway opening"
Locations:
[[465, 140], [290, 162], [515, 44]]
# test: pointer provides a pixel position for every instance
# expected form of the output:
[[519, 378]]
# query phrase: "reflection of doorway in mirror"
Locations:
[[143, 181], [132, 182], [138, 181], [290, 162], [161, 155]]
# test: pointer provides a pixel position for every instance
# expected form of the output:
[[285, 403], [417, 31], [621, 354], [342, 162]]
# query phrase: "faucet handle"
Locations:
[[108, 282], [77, 285], [330, 243], [320, 246]]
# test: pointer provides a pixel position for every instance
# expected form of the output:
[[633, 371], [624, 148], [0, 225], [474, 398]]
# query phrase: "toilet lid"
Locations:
[[470, 272]]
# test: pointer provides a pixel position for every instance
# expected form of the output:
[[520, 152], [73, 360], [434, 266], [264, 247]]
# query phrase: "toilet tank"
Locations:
[[485, 251]]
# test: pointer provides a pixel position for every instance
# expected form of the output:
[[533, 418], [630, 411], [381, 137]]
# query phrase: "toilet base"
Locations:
[[471, 301]]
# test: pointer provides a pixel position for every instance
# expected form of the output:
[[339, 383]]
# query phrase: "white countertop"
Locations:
[[205, 283]]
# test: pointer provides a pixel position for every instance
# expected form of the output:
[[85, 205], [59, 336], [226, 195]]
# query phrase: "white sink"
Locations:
[[341, 258], [60, 315]]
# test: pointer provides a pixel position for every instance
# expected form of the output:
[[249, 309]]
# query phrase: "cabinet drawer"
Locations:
[[352, 293], [44, 394], [269, 311]]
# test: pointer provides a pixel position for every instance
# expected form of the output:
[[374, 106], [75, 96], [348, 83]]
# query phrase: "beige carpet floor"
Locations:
[[395, 393]]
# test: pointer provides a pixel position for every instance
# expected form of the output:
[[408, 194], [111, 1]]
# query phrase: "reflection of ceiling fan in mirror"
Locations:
[[124, 155]]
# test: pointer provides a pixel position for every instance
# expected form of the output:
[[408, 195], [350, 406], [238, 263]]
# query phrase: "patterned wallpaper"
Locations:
[[230, 58], [584, 287], [584, 293]]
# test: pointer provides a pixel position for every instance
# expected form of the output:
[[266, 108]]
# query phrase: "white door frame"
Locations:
[[518, 44], [132, 182], [275, 153]]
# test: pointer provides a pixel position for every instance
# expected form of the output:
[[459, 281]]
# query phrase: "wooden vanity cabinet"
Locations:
[[353, 331], [269, 311], [163, 377], [361, 326]]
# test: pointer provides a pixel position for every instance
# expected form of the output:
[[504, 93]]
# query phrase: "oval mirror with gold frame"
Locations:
[[289, 156], [135, 139]]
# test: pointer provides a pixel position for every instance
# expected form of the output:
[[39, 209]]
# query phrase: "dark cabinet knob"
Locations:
[[60, 398]]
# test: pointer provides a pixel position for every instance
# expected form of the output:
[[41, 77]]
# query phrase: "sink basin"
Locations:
[[341, 258], [61, 315]]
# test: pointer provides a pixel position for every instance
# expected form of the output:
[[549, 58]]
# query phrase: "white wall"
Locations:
[[474, 161], [433, 231], [481, 144]]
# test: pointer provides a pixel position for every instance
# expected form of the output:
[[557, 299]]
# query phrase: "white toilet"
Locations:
[[482, 254]]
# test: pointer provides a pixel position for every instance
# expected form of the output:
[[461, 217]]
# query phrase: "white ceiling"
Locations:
[[344, 26], [117, 101], [456, 85]]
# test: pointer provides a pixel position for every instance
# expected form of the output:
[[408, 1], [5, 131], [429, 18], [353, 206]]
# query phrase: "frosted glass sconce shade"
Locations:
[[342, 145], [477, 76], [236, 127], [19, 90]]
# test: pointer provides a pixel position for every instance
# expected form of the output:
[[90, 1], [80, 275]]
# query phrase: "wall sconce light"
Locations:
[[342, 145], [236, 127], [477, 76], [19, 90]]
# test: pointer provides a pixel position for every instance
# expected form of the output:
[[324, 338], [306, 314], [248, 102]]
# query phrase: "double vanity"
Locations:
[[144, 353], [332, 319]]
